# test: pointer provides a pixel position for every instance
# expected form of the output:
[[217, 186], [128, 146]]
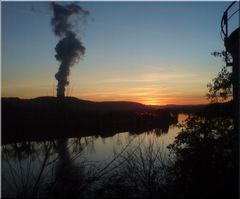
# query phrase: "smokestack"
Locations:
[[69, 49]]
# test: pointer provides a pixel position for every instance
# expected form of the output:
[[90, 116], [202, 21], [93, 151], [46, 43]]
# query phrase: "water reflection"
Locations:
[[67, 175], [24, 167], [44, 169], [70, 167]]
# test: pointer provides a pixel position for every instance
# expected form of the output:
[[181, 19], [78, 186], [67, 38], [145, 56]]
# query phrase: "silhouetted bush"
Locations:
[[205, 158]]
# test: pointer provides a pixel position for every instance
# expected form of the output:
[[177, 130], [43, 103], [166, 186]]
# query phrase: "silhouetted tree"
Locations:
[[205, 159], [220, 89]]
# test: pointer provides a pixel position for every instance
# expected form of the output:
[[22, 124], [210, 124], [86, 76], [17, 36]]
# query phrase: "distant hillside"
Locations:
[[99, 106], [72, 102], [51, 117], [86, 105]]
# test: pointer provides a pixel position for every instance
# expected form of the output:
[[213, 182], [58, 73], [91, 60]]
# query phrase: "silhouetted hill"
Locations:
[[86, 105], [72, 102], [51, 117]]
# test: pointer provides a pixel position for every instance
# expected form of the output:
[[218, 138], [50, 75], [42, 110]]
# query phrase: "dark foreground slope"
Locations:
[[50, 117]]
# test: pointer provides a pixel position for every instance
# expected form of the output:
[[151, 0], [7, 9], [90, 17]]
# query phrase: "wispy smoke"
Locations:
[[69, 49]]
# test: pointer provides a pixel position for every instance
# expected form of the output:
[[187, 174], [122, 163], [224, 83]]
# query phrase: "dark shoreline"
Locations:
[[50, 118]]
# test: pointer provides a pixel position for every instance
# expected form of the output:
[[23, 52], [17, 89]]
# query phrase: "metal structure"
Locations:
[[232, 43], [227, 16]]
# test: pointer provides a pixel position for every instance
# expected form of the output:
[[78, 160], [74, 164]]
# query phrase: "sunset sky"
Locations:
[[152, 53]]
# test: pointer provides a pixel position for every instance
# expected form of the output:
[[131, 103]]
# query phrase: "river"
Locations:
[[28, 167]]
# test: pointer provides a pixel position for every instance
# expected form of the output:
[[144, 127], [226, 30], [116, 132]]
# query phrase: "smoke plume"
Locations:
[[69, 49]]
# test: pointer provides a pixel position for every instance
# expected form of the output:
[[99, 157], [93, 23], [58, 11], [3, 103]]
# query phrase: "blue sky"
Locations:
[[149, 52]]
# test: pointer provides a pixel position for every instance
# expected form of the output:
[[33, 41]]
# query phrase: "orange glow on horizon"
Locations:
[[147, 97], [152, 102], [155, 101], [147, 100], [176, 101]]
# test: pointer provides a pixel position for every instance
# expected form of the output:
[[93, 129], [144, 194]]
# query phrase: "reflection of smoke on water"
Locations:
[[67, 178], [73, 173], [42, 169], [63, 155]]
